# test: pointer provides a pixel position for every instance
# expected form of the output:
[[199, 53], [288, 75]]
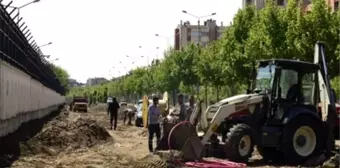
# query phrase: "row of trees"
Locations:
[[223, 67], [62, 76]]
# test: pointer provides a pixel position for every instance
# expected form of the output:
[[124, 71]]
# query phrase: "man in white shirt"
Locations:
[[153, 122], [190, 107]]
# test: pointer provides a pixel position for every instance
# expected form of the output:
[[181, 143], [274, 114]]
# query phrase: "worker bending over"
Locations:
[[128, 114], [153, 122]]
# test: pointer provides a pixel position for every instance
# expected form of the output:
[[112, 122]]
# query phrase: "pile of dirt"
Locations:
[[143, 132], [66, 135]]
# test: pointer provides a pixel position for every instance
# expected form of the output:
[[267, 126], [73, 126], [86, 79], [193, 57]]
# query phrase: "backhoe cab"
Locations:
[[280, 115], [291, 126]]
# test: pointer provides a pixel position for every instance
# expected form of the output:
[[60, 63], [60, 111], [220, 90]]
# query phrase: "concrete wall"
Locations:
[[23, 99]]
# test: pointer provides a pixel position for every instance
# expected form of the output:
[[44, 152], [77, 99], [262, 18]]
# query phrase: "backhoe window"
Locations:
[[265, 78], [308, 87], [288, 82]]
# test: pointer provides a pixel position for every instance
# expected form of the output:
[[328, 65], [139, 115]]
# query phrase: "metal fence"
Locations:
[[18, 48]]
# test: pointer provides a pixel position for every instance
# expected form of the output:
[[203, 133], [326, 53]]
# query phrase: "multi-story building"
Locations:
[[333, 4], [95, 81], [257, 3], [186, 33], [74, 83]]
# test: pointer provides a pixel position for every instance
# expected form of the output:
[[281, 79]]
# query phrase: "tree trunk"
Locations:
[[174, 97], [232, 89], [206, 94], [217, 93]]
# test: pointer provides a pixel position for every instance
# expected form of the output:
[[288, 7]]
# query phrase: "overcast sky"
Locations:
[[91, 37]]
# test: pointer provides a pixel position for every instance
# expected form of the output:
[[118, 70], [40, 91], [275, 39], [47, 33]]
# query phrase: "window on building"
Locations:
[[249, 2], [219, 34], [204, 43], [189, 34], [204, 33], [281, 2], [194, 33], [336, 6]]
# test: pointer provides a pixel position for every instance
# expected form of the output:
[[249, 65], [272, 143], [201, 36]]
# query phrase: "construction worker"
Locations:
[[128, 114], [153, 122], [181, 107], [190, 108], [112, 110]]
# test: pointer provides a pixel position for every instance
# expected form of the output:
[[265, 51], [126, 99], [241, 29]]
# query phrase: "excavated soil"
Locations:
[[66, 134], [84, 140]]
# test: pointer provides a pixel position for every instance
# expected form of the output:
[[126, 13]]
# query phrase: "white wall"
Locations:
[[19, 93]]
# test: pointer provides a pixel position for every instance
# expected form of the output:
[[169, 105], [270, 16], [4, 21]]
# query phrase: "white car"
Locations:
[[139, 116], [109, 100]]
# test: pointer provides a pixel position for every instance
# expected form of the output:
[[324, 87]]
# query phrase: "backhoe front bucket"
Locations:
[[183, 137]]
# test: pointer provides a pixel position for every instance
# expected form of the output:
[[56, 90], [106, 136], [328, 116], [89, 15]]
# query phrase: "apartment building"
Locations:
[[95, 81], [187, 33], [307, 4], [257, 3], [74, 83], [334, 4]]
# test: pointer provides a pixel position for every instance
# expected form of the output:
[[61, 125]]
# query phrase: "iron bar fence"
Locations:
[[19, 50]]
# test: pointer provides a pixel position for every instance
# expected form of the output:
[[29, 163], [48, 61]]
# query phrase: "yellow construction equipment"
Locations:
[[162, 105]]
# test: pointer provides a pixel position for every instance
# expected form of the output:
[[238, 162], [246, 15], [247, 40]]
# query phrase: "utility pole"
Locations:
[[199, 44], [20, 7]]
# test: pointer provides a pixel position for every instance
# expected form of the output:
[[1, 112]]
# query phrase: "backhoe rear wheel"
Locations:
[[240, 143], [302, 138]]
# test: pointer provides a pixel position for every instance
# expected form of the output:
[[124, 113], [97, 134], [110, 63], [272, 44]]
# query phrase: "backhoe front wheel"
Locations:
[[302, 139], [240, 143]]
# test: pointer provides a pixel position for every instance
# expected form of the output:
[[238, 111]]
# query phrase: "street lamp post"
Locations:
[[199, 43], [54, 60], [198, 22], [167, 38], [147, 57], [157, 48], [45, 44], [22, 6]]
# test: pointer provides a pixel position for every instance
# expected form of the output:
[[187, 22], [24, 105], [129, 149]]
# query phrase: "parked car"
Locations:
[[123, 104], [109, 100], [139, 116]]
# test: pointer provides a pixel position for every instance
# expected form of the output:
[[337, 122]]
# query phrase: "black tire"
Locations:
[[287, 147], [233, 141], [138, 122], [270, 154]]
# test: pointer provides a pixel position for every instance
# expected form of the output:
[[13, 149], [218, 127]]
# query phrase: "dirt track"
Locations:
[[80, 140]]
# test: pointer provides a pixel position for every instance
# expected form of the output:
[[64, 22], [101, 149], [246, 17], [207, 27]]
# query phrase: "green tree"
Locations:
[[225, 67], [62, 75]]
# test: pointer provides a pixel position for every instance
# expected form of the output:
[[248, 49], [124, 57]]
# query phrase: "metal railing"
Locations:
[[19, 50]]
